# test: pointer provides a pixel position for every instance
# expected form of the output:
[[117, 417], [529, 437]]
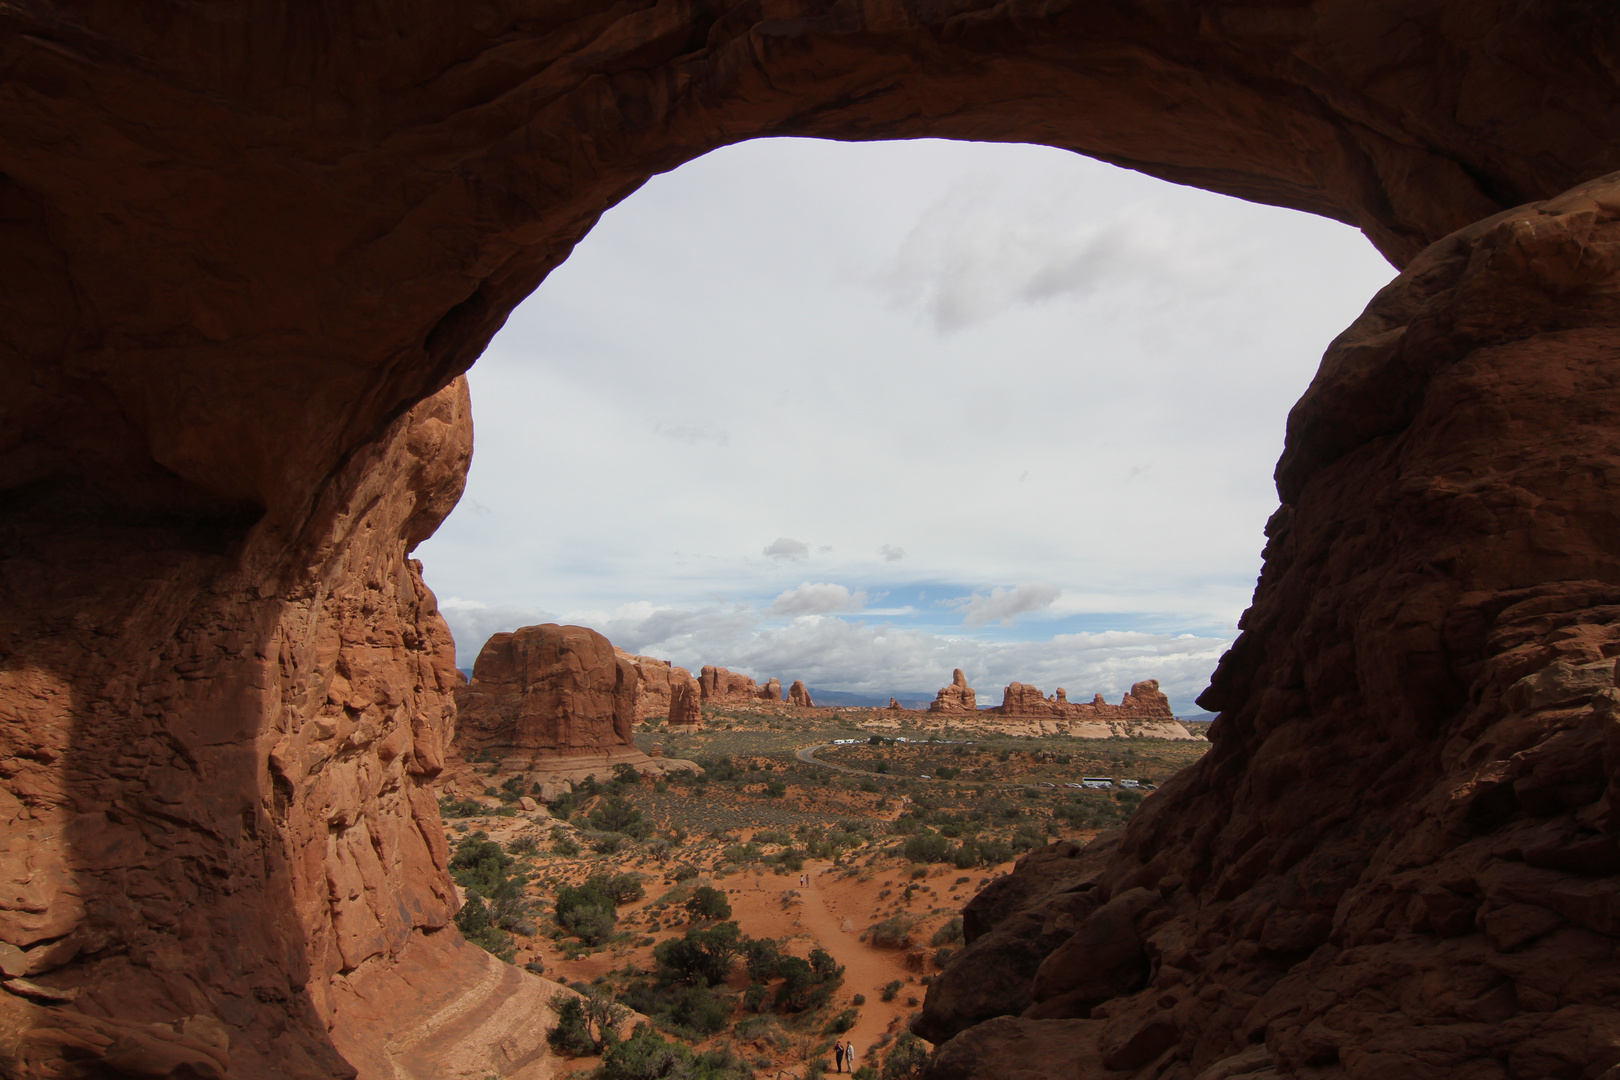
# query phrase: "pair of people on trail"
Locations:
[[843, 1053]]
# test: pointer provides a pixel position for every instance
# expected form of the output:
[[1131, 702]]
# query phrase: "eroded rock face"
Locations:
[[722, 687], [1400, 855], [277, 728], [955, 698], [239, 249], [798, 695], [550, 690], [655, 683], [685, 703], [1144, 702]]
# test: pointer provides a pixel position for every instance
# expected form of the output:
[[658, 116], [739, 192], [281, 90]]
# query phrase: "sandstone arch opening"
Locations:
[[242, 251], [948, 368]]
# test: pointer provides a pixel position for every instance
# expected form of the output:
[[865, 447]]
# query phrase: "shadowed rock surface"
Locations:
[[242, 249], [1399, 858]]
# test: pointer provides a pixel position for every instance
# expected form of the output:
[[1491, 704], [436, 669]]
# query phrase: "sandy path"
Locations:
[[831, 904]]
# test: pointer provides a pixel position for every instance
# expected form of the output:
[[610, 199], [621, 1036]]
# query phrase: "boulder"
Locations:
[[549, 690]]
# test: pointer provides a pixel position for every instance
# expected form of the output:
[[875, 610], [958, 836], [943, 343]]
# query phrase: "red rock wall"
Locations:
[[722, 687], [216, 764], [1145, 701], [655, 682], [1399, 857]]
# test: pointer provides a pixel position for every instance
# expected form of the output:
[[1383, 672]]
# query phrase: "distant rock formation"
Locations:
[[656, 680], [722, 687], [895, 706], [685, 701], [552, 689], [798, 695], [1145, 702], [955, 698]]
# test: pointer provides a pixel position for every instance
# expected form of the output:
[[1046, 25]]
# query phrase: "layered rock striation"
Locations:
[[1400, 855]]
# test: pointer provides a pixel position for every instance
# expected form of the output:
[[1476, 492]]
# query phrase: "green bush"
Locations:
[[620, 888], [707, 902], [891, 990], [906, 1059], [453, 808], [572, 1035], [563, 844], [775, 789], [762, 958], [702, 955], [586, 913], [949, 934], [842, 1022], [942, 955], [479, 863], [926, 847], [616, 814], [701, 1011], [527, 844]]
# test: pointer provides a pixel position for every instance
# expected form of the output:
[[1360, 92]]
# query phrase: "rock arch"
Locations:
[[246, 252]]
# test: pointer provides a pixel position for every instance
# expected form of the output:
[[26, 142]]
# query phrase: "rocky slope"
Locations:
[[1399, 857]]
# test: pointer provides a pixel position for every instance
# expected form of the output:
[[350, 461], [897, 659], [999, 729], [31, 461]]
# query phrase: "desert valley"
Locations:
[[754, 877]]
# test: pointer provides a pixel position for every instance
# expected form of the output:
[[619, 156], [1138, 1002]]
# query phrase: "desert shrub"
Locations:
[[891, 990], [926, 847], [720, 768], [949, 934], [527, 844], [626, 774], [586, 913], [453, 808], [858, 999], [868, 785], [572, 1035], [620, 888], [755, 998], [617, 814], [906, 1059], [475, 924], [947, 772], [700, 1010], [842, 1022], [790, 858], [479, 863], [707, 902], [762, 958], [775, 789], [942, 956], [563, 806], [704, 955], [606, 843], [742, 853], [563, 844]]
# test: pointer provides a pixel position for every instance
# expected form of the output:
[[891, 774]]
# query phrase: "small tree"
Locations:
[[707, 902], [572, 1035]]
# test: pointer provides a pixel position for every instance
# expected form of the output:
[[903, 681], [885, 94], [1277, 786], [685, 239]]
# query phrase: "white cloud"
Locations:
[[891, 553], [785, 547], [817, 599], [1003, 605], [691, 435]]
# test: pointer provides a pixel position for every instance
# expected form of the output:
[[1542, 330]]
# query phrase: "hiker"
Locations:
[[838, 1057], [849, 1055]]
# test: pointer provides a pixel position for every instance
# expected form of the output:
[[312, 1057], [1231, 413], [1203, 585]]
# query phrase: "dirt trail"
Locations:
[[830, 905]]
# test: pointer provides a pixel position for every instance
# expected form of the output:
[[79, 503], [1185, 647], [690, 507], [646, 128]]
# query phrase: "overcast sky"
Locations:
[[862, 413]]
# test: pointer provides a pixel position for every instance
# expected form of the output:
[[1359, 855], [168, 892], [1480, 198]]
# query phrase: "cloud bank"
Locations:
[[1003, 605]]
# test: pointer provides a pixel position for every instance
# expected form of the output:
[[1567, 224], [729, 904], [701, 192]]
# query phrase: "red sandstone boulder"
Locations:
[[1145, 703], [798, 695], [722, 687], [555, 690], [955, 698]]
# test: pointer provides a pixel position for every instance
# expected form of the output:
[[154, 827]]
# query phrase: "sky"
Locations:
[[860, 414]]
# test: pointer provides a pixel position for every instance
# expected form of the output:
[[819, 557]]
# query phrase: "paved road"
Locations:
[[807, 754]]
